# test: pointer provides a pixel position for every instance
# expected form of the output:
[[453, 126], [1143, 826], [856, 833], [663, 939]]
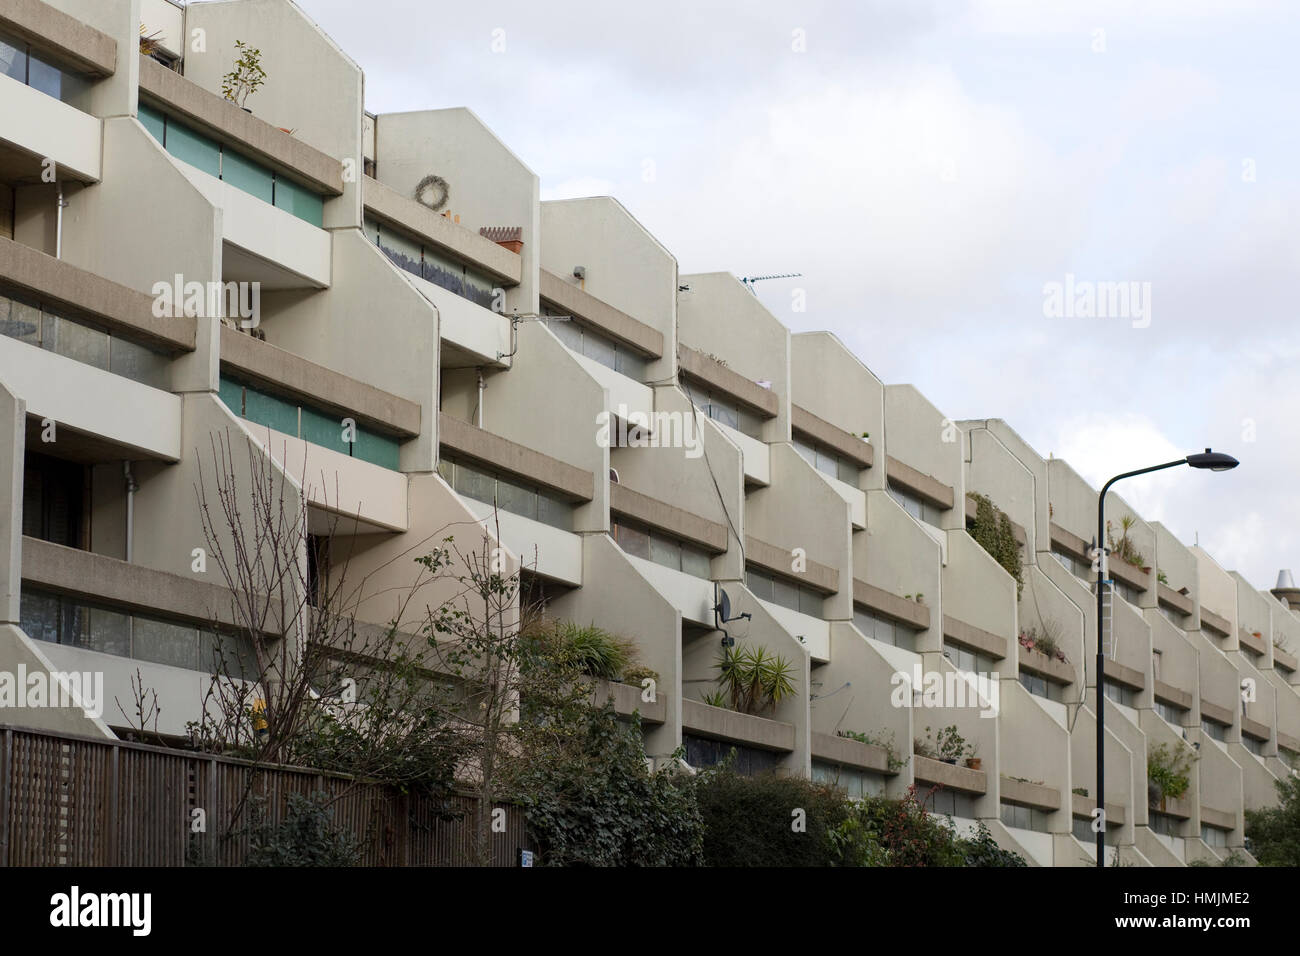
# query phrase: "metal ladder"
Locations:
[[1108, 617]]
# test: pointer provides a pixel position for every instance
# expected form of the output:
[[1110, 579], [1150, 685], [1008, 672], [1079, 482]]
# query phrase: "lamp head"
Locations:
[[1213, 460]]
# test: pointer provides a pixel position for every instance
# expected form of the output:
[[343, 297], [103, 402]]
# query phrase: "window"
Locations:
[[856, 784], [20, 62], [1121, 693], [1128, 593], [1253, 744], [1080, 567], [1024, 818], [725, 410], [27, 321], [661, 548], [883, 629], [1214, 729], [967, 660], [516, 495], [1163, 823], [952, 803], [703, 752], [60, 619], [585, 340], [1170, 713], [1176, 618], [408, 253], [827, 462], [782, 591], [1213, 836], [231, 166], [54, 500], [918, 509], [1041, 687], [310, 424], [1082, 830]]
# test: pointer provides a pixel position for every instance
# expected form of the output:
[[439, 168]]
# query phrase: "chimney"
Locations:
[[512, 237], [1286, 591]]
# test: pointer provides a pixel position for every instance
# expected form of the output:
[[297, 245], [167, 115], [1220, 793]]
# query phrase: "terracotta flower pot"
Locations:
[[974, 762]]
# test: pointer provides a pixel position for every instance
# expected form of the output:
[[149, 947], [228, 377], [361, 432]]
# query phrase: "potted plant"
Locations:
[[245, 78], [972, 761], [949, 744]]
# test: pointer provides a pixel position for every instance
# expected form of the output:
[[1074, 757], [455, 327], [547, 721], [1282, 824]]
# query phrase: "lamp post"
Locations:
[[1214, 461]]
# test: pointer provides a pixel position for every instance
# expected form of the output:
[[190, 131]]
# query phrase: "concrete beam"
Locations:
[[81, 46], [773, 558], [585, 306], [83, 294], [718, 723], [483, 446], [1170, 694], [659, 514], [929, 770], [974, 637], [318, 385], [1030, 794], [132, 587], [461, 243], [891, 606], [227, 122], [851, 753], [837, 439], [918, 483], [714, 374]]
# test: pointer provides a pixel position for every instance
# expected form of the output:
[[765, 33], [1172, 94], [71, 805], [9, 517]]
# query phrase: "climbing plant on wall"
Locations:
[[995, 534]]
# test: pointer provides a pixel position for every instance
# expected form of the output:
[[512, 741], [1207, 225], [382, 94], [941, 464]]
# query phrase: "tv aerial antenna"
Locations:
[[748, 281]]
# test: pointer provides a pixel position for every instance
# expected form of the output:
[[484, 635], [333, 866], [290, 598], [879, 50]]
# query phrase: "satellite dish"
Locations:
[[724, 606]]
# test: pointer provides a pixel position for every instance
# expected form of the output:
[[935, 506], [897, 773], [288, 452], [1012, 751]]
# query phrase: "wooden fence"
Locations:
[[79, 801]]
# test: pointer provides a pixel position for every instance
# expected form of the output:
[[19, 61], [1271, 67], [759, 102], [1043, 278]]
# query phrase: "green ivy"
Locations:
[[306, 836], [1274, 832], [996, 535], [594, 803]]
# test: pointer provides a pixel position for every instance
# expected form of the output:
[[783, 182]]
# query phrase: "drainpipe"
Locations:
[[58, 227], [481, 387], [131, 488]]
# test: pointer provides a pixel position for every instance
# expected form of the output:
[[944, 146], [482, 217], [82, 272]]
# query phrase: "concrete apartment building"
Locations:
[[476, 339]]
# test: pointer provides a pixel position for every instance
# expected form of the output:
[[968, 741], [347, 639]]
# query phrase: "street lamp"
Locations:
[[1214, 461]]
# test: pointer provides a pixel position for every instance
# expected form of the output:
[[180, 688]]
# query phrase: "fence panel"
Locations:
[[74, 801]]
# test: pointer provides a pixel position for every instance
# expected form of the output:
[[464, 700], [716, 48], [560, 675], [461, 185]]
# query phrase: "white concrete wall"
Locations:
[[626, 266], [489, 185], [312, 87]]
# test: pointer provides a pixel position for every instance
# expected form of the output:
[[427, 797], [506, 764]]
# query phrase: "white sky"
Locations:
[[928, 166]]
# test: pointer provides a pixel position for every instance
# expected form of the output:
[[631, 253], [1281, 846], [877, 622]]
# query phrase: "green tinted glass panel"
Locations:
[[304, 204], [189, 147], [321, 428], [152, 120], [232, 393], [271, 411], [165, 643], [243, 173], [376, 449]]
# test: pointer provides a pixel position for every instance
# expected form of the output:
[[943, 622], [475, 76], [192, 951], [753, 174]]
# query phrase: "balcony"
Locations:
[[718, 723], [263, 242], [92, 403], [36, 127], [541, 548]]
